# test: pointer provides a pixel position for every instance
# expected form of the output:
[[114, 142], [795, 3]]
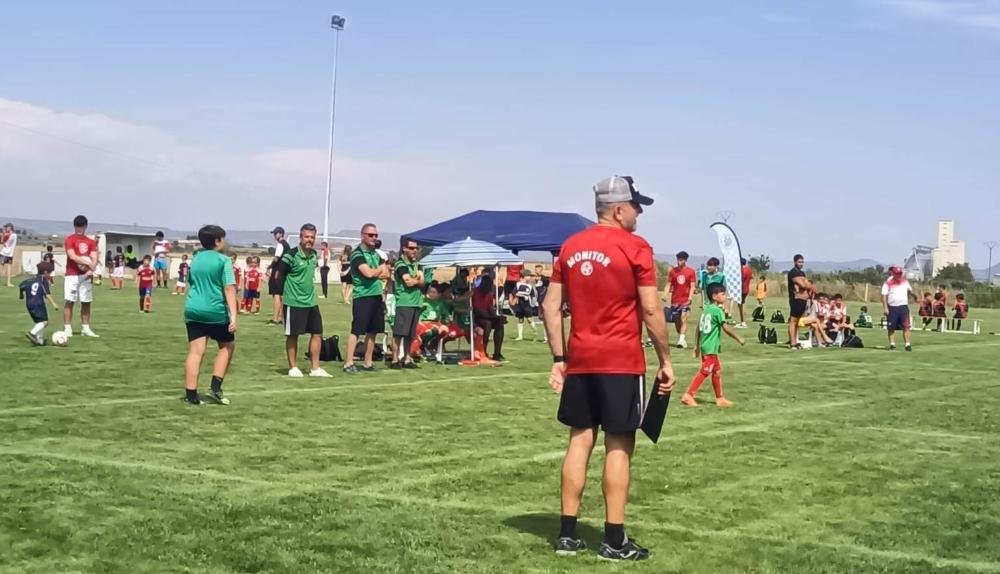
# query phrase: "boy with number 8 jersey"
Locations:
[[708, 344]]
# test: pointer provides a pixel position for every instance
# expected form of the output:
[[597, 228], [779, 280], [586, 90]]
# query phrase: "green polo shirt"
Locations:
[[365, 286], [300, 276], [407, 296]]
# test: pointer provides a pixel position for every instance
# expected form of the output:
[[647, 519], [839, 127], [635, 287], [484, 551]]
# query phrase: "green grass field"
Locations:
[[830, 461]]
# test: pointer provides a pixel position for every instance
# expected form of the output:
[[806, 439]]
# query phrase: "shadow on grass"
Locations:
[[546, 527]]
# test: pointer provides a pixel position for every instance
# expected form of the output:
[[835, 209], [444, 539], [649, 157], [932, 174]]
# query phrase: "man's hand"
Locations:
[[557, 376], [232, 325], [665, 379], [885, 311]]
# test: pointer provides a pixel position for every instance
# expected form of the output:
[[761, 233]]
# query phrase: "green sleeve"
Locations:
[[228, 278]]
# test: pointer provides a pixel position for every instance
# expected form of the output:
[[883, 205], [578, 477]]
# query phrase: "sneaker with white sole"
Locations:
[[320, 372], [295, 372], [566, 546], [86, 332], [630, 550], [68, 331]]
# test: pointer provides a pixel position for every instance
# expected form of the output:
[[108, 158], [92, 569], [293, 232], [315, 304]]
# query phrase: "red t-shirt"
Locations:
[[253, 279], [483, 300], [514, 272], [83, 246], [601, 269], [681, 283], [747, 277], [146, 275]]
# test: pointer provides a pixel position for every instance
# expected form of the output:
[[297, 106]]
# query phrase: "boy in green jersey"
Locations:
[[707, 345], [710, 276], [210, 313]]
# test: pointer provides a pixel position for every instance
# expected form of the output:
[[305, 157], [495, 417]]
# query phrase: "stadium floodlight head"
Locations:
[[337, 22]]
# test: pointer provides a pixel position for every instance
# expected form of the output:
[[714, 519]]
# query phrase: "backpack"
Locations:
[[377, 353], [772, 336], [777, 317], [329, 349], [853, 342], [762, 335], [758, 315]]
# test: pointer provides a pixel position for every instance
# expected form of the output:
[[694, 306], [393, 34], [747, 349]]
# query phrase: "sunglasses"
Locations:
[[371, 234]]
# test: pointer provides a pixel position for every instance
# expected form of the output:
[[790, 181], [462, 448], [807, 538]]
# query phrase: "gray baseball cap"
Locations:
[[619, 189]]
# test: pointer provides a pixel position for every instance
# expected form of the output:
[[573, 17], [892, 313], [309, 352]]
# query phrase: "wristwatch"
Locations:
[[558, 358]]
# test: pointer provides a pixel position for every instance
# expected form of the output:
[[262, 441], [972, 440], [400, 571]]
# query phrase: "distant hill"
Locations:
[[46, 228], [779, 266]]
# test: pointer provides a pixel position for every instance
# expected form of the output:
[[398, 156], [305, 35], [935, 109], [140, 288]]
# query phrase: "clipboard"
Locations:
[[655, 414]]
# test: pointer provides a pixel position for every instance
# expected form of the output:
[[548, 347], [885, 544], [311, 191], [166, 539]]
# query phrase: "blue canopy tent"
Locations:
[[513, 230]]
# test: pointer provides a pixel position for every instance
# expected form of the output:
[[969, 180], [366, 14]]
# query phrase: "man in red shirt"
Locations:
[[606, 274], [680, 286], [514, 273], [81, 260], [747, 276]]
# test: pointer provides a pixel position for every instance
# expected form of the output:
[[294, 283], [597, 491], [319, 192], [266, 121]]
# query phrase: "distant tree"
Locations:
[[759, 263], [955, 272]]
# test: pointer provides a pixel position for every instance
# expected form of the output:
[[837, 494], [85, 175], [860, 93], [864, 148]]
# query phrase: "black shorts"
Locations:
[[405, 324], [39, 314], [274, 287], [522, 309], [302, 320], [217, 332], [743, 298], [369, 315], [615, 402], [797, 308], [509, 287]]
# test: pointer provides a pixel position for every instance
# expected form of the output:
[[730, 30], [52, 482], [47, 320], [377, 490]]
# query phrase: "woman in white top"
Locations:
[[7, 250]]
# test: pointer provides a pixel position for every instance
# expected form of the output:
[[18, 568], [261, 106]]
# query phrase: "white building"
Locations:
[[949, 251]]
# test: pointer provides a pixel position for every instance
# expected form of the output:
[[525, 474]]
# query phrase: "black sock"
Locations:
[[216, 384], [567, 527], [614, 534], [192, 395]]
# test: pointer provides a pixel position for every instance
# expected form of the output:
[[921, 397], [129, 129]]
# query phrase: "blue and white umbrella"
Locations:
[[469, 252]]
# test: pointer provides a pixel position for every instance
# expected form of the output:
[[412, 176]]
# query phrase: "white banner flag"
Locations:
[[731, 255]]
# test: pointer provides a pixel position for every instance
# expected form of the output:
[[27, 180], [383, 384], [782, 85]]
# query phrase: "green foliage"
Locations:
[[830, 461], [960, 272], [870, 275], [759, 263]]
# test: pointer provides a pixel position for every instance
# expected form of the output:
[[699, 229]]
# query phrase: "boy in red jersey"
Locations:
[[251, 295], [144, 277], [746, 274], [680, 288], [607, 276], [81, 260]]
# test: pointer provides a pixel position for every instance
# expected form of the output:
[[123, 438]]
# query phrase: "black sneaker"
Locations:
[[892, 347], [569, 546], [629, 551], [498, 357], [410, 365], [395, 366], [909, 348], [190, 403], [367, 368], [350, 369], [217, 398]]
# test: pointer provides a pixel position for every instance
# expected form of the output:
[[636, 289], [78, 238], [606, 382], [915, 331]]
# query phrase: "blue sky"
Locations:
[[838, 129]]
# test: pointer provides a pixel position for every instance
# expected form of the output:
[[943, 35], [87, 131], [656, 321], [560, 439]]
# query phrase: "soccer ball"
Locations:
[[59, 338]]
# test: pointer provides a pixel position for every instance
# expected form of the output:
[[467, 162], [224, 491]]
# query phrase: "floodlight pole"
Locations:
[[337, 24], [989, 268]]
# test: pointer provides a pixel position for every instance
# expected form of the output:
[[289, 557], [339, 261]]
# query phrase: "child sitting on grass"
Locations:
[[35, 292], [708, 343]]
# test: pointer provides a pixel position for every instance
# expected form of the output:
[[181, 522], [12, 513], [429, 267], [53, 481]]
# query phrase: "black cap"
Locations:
[[278, 229]]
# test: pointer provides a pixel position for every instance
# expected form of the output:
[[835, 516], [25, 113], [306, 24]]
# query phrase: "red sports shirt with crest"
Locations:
[[253, 279], [83, 246], [681, 282], [601, 269]]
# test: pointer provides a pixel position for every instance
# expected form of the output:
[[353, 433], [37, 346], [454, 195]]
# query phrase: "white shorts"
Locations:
[[118, 272], [182, 284], [78, 289]]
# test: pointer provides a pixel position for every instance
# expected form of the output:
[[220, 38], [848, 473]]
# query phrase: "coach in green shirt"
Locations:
[[296, 270], [368, 270], [409, 279]]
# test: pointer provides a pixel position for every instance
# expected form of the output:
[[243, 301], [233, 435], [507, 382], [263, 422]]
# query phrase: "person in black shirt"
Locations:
[[275, 287], [799, 290]]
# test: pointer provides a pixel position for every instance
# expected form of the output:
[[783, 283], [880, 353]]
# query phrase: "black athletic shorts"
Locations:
[[509, 287], [274, 287], [302, 320], [405, 324], [523, 309], [39, 314], [615, 402], [369, 316], [217, 332], [798, 308]]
